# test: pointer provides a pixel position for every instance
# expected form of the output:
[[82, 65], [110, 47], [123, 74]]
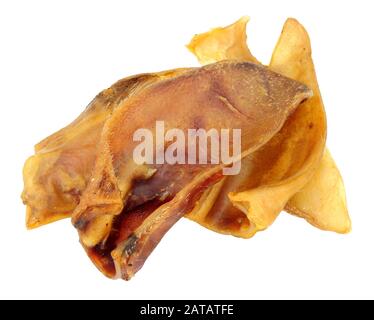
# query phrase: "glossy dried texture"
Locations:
[[122, 210], [242, 205], [225, 95], [56, 175]]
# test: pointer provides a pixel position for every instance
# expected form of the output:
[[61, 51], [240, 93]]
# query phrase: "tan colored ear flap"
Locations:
[[322, 202], [223, 43], [291, 158]]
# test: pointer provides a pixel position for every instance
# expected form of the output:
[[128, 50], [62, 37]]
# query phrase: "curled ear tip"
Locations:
[[344, 230], [244, 19], [292, 20]]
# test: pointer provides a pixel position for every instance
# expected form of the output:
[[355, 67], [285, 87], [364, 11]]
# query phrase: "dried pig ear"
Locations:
[[288, 166], [55, 177], [238, 95], [122, 209]]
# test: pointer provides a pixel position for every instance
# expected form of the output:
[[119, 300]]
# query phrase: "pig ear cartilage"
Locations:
[[122, 209], [256, 101], [122, 201]]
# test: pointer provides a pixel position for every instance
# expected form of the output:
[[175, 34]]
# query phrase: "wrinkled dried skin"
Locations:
[[322, 201], [56, 175], [126, 208], [228, 95], [271, 176]]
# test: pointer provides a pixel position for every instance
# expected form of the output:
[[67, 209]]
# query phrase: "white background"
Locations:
[[55, 56]]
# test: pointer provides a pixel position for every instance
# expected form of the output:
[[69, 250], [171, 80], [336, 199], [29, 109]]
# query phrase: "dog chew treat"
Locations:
[[231, 95], [122, 208]]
